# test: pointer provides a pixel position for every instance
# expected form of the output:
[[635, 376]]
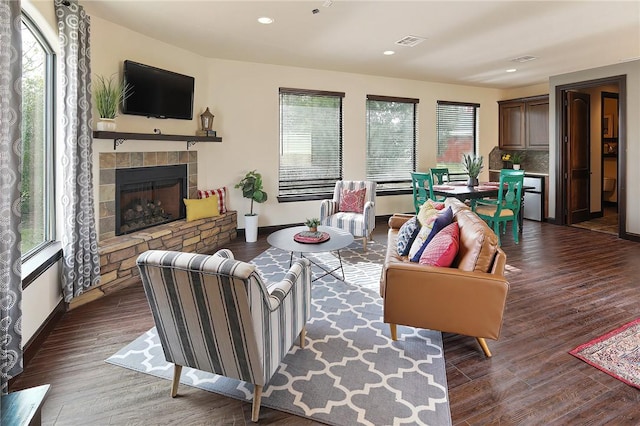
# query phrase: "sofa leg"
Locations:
[[394, 331], [483, 345]]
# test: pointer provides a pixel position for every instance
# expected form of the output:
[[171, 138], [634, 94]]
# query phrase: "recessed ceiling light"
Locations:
[[265, 20], [525, 58], [511, 70], [389, 52]]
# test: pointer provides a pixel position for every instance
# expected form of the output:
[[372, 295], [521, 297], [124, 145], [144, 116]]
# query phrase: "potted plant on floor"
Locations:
[[108, 97], [251, 186], [473, 166]]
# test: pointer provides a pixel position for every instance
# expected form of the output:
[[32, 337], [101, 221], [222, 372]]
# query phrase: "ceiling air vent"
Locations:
[[410, 41], [525, 58]]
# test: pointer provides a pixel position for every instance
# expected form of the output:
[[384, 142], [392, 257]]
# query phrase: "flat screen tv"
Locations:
[[157, 93]]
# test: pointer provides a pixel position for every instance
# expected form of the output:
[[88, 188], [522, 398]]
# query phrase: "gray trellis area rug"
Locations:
[[350, 371]]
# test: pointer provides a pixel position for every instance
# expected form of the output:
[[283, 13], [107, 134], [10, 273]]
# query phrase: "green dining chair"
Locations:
[[506, 208], [440, 175], [422, 185]]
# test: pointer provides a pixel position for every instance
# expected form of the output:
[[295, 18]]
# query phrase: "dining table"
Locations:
[[462, 192]]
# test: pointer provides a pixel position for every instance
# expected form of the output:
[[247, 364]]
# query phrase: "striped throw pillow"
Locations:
[[218, 192]]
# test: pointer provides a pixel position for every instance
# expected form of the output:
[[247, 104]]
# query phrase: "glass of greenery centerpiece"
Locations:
[[312, 224], [108, 96], [473, 166]]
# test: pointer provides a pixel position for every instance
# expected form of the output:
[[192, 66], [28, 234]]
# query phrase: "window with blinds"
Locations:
[[391, 141], [457, 127], [310, 143]]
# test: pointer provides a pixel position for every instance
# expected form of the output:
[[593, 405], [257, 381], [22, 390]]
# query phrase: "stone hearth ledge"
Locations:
[[118, 255]]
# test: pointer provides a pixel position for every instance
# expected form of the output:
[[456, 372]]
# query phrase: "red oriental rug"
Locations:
[[617, 353]]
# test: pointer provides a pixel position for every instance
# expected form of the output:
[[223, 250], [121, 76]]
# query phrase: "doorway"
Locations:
[[591, 139]]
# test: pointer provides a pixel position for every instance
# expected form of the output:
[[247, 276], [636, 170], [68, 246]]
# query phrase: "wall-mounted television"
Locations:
[[157, 93]]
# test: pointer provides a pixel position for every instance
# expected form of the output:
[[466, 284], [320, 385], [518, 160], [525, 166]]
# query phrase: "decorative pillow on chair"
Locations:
[[352, 200], [443, 248], [201, 208], [406, 235], [218, 192], [442, 220]]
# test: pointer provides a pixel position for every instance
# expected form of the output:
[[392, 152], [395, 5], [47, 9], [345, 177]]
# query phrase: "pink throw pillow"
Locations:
[[220, 193], [352, 200], [443, 248]]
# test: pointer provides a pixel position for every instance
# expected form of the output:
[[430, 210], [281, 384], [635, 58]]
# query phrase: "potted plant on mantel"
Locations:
[[108, 96], [473, 166], [251, 186]]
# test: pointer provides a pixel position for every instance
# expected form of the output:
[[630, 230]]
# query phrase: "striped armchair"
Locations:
[[358, 224], [215, 314]]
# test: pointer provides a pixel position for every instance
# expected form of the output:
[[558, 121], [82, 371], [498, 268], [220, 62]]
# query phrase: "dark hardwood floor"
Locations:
[[568, 286]]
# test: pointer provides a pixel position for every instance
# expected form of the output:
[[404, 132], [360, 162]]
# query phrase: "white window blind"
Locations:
[[310, 142], [391, 140], [457, 133]]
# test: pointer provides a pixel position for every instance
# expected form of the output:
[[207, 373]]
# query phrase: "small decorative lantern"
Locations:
[[206, 118]]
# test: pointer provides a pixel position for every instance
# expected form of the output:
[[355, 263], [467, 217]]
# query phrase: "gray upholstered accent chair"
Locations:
[[215, 314], [357, 224]]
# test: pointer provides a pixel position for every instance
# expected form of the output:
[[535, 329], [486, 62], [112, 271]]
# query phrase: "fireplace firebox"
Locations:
[[149, 196]]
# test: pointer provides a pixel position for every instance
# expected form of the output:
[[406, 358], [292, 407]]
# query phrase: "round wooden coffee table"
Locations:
[[338, 239]]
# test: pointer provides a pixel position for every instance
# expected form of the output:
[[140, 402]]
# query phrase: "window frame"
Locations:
[[328, 192], [32, 260], [476, 106], [405, 184]]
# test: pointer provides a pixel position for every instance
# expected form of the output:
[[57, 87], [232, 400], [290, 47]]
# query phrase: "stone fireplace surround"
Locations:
[[118, 254], [110, 161]]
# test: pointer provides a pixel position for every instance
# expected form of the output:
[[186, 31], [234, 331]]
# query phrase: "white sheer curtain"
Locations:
[[10, 182], [81, 262]]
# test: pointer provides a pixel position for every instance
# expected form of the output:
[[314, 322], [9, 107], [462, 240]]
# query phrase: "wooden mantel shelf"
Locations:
[[120, 137]]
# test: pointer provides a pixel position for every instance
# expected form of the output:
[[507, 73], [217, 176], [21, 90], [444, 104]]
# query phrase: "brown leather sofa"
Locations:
[[468, 298]]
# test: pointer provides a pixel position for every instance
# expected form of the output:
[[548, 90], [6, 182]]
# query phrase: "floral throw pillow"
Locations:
[[407, 233], [352, 200], [443, 248]]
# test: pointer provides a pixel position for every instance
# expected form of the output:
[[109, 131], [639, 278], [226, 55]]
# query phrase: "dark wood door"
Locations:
[[577, 139]]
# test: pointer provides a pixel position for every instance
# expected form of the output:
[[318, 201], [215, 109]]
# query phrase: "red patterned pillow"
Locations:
[[220, 193], [443, 248], [352, 200]]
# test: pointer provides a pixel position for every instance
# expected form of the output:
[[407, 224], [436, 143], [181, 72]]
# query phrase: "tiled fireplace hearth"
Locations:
[[118, 253]]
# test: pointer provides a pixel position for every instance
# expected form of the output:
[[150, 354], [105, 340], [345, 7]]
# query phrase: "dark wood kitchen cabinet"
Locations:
[[524, 123]]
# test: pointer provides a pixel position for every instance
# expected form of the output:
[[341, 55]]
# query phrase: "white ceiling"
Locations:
[[467, 42]]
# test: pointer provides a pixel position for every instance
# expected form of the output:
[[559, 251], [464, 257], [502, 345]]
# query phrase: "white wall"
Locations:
[[244, 99], [632, 72]]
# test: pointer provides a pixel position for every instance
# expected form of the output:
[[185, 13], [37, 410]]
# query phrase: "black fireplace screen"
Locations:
[[149, 196]]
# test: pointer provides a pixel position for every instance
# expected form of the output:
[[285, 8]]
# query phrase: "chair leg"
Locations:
[[177, 369], [483, 345], [303, 335], [255, 408], [394, 331], [516, 231]]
